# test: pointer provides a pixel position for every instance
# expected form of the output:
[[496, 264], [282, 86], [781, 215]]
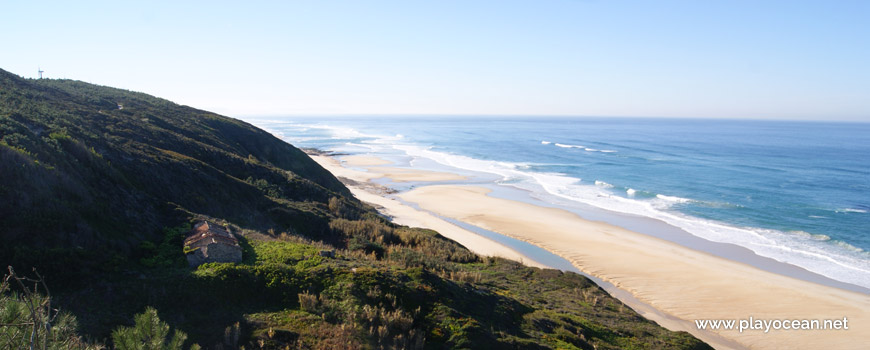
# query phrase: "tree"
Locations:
[[28, 321], [149, 333]]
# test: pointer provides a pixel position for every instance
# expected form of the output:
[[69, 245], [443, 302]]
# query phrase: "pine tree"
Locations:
[[28, 320], [149, 333]]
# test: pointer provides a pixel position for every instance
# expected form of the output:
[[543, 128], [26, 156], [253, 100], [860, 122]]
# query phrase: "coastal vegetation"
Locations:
[[99, 186]]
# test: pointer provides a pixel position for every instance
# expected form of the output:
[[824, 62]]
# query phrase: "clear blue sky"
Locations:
[[727, 59]]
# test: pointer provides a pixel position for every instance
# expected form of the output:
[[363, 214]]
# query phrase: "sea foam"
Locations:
[[587, 149], [569, 146], [603, 184], [673, 199]]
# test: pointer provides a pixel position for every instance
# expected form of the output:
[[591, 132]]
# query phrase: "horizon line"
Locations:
[[552, 116]]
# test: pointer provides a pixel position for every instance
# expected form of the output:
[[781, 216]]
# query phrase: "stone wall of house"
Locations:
[[214, 252], [196, 258]]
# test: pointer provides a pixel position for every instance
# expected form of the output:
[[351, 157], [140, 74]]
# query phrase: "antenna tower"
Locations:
[[40, 72]]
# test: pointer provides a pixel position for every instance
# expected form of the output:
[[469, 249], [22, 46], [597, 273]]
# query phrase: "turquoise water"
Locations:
[[797, 192]]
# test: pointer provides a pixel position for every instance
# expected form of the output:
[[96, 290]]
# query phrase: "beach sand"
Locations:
[[405, 215], [362, 161], [667, 283], [374, 170], [681, 282], [407, 175]]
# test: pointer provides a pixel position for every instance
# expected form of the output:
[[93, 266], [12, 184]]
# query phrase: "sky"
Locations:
[[706, 59]]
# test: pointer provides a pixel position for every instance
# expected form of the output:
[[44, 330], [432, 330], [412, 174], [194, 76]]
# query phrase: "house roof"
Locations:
[[206, 232]]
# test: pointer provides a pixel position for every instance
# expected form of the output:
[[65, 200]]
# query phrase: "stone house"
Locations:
[[209, 242]]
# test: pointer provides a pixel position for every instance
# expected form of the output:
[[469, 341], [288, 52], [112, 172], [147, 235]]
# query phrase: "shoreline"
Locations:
[[656, 228], [672, 284], [401, 214]]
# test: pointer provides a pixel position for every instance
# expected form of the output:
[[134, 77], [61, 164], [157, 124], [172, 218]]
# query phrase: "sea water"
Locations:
[[796, 192]]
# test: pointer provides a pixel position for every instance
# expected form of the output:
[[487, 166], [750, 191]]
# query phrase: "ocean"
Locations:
[[796, 192]]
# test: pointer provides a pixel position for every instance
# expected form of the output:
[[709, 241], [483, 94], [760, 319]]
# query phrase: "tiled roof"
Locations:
[[205, 232]]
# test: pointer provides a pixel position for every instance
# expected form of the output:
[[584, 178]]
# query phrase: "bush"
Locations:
[[169, 253], [149, 333]]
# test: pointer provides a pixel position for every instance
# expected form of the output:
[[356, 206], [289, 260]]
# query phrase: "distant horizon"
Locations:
[[858, 120], [511, 116]]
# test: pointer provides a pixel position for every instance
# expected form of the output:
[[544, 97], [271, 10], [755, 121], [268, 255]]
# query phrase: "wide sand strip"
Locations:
[[685, 283], [407, 175], [406, 215], [375, 170], [363, 161], [372, 193]]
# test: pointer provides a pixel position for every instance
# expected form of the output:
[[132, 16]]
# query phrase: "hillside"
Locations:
[[104, 165], [99, 185]]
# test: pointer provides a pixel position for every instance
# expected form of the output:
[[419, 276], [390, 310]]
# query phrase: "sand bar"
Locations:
[[363, 161], [413, 175], [678, 281], [406, 215], [374, 170]]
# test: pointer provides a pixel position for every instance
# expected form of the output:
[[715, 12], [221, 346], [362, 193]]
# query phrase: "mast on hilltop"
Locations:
[[40, 72]]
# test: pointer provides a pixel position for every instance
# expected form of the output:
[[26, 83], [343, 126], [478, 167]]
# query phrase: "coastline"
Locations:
[[674, 285], [402, 214]]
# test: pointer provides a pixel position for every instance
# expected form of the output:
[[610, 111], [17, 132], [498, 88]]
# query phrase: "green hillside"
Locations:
[[93, 165], [98, 186]]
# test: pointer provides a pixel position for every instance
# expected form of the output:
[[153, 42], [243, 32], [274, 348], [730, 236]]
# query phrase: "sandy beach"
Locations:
[[681, 284], [406, 215], [374, 170]]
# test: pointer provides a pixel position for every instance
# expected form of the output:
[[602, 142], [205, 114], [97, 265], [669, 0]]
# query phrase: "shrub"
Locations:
[[308, 302], [149, 333], [169, 253]]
